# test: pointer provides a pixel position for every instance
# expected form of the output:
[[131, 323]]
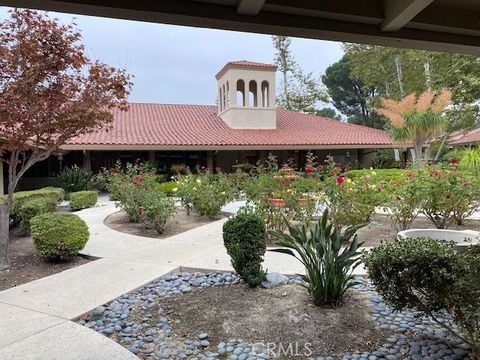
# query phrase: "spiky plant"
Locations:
[[329, 255], [416, 120]]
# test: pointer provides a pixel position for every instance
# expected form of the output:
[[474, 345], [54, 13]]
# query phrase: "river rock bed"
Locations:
[[152, 336]]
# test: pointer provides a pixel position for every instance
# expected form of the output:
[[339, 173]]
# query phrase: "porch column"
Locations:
[[87, 160], [210, 161], [1, 176], [151, 155]]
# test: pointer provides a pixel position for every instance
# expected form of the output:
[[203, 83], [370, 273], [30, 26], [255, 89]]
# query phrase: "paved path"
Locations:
[[35, 317]]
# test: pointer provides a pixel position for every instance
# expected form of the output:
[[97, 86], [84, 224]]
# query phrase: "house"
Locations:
[[243, 127]]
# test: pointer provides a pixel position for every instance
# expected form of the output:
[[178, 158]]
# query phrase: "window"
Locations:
[[252, 93], [240, 93], [265, 94]]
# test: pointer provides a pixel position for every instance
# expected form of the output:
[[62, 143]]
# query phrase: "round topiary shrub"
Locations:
[[58, 236], [245, 238], [83, 199], [33, 208]]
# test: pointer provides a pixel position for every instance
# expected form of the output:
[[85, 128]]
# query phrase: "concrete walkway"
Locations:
[[35, 317]]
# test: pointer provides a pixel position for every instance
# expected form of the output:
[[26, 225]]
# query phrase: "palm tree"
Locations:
[[414, 121]]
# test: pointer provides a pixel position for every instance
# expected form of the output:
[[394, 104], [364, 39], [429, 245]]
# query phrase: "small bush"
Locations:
[[157, 209], [380, 174], [329, 255], [33, 208], [83, 199], [212, 192], [244, 236], [58, 236], [403, 201], [169, 187], [21, 197], [74, 179], [430, 277]]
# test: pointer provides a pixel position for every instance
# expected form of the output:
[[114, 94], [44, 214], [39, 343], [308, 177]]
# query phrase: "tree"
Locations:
[[395, 72], [416, 121], [349, 96], [50, 92], [328, 113], [299, 91]]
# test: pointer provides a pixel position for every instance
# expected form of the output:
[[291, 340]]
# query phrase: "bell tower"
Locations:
[[246, 95]]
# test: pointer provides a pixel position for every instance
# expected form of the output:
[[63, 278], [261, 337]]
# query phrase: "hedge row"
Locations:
[[21, 197], [83, 199], [380, 174]]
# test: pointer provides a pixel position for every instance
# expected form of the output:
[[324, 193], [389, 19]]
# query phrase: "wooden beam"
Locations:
[[249, 7], [271, 21], [399, 12]]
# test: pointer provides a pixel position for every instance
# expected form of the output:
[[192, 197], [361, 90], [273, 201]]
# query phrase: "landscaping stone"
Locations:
[[414, 338], [274, 280]]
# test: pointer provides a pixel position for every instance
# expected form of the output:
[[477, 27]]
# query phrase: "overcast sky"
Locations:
[[176, 64]]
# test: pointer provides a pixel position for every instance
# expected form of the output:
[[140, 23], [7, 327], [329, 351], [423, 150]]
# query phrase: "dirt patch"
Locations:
[[179, 223], [282, 315], [26, 265], [380, 229]]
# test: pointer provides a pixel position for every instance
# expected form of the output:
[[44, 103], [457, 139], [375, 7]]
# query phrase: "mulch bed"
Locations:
[[26, 265], [179, 223], [279, 315]]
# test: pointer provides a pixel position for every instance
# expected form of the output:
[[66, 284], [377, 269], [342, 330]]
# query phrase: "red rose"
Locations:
[[340, 180], [309, 170], [453, 160]]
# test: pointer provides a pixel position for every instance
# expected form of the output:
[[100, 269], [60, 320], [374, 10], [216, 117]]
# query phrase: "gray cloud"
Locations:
[[175, 64]]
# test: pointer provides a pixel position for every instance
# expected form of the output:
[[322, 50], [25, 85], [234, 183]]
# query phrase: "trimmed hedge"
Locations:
[[379, 174], [32, 208], [21, 197], [58, 235], [245, 238], [83, 199]]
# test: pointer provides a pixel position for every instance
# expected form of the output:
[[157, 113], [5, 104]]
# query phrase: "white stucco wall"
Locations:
[[259, 114]]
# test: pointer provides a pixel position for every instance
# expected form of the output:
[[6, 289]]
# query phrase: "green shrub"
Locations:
[[21, 197], [58, 236], [471, 160], [169, 187], [447, 195], [244, 236], [74, 179], [83, 199], [403, 202], [351, 202], [381, 175], [428, 276], [328, 258], [157, 209], [33, 208], [209, 192]]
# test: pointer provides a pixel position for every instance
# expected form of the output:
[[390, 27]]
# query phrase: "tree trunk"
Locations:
[[398, 65], [440, 149], [418, 154], [4, 235]]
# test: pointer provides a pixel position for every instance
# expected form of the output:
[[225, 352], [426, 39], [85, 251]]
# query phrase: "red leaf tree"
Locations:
[[50, 92]]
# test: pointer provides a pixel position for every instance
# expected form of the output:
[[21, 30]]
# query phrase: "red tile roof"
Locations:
[[244, 64], [183, 126], [465, 138]]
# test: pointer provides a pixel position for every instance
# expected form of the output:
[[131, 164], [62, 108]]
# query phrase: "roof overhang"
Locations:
[[442, 25], [218, 147]]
